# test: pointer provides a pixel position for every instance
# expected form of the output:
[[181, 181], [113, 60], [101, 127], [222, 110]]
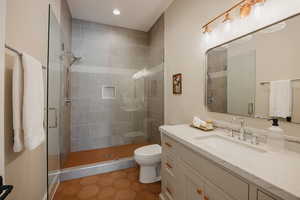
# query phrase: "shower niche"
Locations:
[[109, 92]]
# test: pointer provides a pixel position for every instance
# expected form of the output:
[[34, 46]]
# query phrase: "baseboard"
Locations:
[[53, 186], [54, 191], [97, 168], [45, 196], [161, 197]]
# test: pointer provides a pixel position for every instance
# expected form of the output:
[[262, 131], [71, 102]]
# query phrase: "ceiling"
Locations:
[[135, 14]]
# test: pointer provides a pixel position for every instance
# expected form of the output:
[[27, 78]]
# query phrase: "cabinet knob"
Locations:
[[169, 166], [199, 191], [206, 198], [168, 144]]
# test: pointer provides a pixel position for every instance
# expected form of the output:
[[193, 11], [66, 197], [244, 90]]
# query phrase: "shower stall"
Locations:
[[105, 96]]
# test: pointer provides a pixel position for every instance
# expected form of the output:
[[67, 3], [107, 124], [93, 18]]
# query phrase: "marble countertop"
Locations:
[[276, 172]]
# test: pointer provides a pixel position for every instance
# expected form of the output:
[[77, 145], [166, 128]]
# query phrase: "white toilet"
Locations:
[[149, 159]]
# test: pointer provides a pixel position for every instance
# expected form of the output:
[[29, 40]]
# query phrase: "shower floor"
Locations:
[[100, 155]]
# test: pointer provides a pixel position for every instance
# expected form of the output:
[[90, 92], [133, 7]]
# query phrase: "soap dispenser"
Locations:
[[276, 138]]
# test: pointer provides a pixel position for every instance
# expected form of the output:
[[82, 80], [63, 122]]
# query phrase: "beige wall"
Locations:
[[27, 31], [185, 53], [2, 38]]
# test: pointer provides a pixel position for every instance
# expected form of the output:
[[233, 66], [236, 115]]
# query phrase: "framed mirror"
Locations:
[[257, 75]]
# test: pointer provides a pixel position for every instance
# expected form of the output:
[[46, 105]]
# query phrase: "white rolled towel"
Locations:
[[197, 122]]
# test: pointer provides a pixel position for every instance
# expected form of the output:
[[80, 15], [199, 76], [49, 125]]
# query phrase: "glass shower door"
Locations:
[[54, 102]]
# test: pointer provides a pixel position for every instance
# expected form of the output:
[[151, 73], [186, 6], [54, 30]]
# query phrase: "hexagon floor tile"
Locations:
[[118, 185]]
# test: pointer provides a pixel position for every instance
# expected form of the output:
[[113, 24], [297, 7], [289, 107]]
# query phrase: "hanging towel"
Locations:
[[281, 98], [33, 102], [17, 104]]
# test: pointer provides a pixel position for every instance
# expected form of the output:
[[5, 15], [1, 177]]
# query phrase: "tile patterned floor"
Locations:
[[118, 185], [99, 155]]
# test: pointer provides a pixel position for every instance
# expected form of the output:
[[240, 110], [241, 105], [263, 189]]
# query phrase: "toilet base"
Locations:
[[149, 174]]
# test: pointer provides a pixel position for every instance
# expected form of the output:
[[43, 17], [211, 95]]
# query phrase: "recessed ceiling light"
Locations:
[[116, 11]]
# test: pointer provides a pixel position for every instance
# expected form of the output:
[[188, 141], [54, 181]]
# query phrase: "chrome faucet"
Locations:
[[255, 140], [242, 130], [231, 129]]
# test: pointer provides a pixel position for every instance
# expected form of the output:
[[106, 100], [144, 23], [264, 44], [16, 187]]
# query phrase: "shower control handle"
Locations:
[[56, 117], [68, 101]]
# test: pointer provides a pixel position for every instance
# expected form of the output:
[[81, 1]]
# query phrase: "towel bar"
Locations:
[[17, 52]]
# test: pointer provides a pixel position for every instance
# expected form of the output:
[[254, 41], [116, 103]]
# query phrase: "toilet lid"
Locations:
[[149, 150]]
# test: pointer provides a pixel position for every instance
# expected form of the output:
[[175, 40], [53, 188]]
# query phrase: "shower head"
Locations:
[[75, 59], [72, 57]]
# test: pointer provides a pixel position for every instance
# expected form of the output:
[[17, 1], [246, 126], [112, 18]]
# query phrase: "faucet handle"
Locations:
[[254, 140], [242, 121]]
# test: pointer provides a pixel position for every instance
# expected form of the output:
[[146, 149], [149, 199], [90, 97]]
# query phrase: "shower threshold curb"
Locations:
[[96, 168]]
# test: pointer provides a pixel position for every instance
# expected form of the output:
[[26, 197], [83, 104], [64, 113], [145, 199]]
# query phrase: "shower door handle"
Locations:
[[55, 116]]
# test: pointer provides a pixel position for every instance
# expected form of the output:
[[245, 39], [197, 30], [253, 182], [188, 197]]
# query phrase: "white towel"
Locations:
[[17, 104], [33, 102], [198, 122], [281, 98]]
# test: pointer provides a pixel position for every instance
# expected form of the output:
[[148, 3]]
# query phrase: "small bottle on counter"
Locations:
[[276, 140]]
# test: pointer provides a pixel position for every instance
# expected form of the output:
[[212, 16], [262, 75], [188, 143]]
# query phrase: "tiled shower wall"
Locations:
[[110, 57]]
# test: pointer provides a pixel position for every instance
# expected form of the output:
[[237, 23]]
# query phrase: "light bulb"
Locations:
[[227, 22], [116, 11]]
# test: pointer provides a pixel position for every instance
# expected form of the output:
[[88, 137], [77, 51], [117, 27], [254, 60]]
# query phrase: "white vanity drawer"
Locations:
[[232, 185], [193, 184], [169, 165], [169, 145], [168, 186]]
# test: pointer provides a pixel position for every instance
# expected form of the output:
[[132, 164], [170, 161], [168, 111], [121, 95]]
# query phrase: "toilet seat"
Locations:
[[148, 152]]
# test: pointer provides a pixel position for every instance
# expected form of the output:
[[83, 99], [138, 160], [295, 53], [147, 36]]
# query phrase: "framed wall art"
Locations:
[[177, 84]]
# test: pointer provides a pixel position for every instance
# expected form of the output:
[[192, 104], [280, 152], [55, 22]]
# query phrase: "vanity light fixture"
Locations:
[[227, 22], [257, 7], [227, 18], [206, 29], [259, 2], [245, 10]]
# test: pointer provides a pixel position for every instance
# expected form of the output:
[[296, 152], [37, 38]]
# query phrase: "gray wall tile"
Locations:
[[97, 122]]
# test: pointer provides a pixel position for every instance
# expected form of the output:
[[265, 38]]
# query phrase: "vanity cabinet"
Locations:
[[199, 188], [187, 175], [193, 183]]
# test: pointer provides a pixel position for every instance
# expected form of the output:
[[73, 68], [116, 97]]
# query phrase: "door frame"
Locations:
[[2, 63]]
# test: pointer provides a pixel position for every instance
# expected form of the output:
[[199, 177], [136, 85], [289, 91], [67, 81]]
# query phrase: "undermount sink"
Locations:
[[232, 146]]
